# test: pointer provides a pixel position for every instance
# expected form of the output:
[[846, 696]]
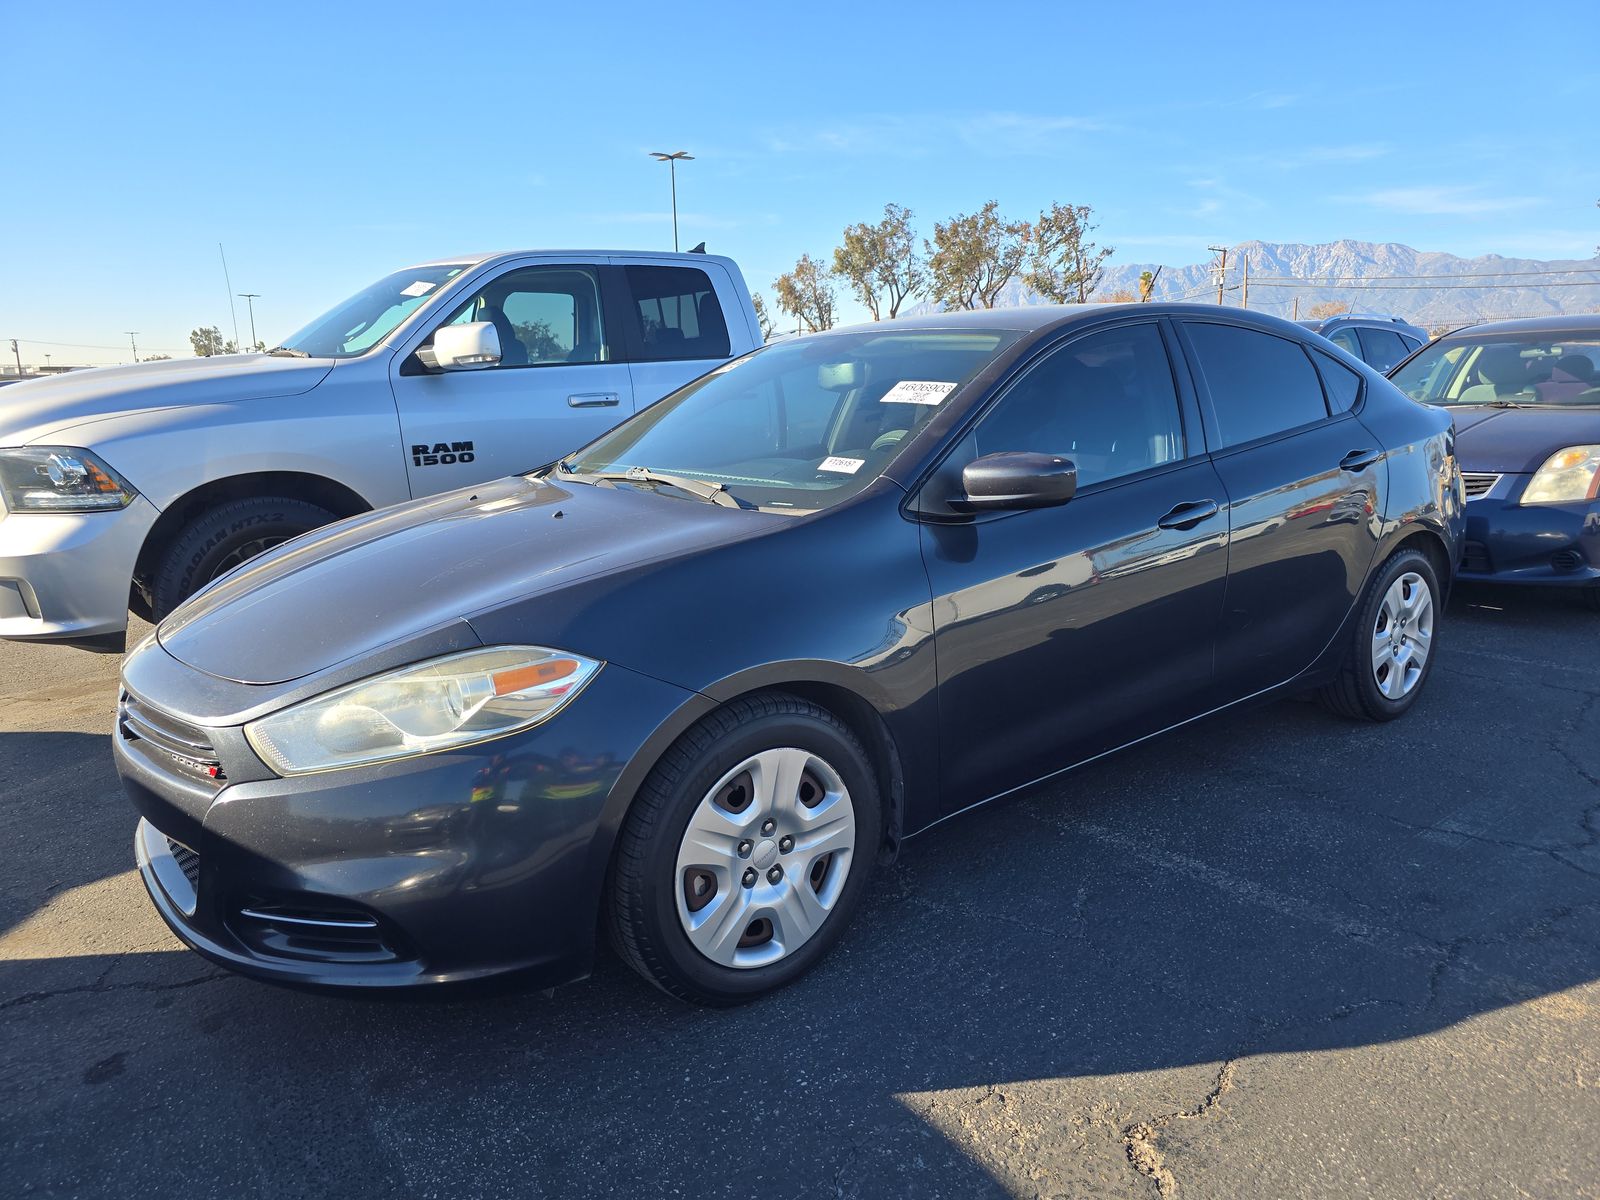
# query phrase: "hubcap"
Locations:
[[1402, 636], [790, 814]]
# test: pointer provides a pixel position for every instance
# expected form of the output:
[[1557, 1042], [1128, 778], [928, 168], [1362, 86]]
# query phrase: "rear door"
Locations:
[[1305, 483], [560, 381], [1064, 632], [674, 322]]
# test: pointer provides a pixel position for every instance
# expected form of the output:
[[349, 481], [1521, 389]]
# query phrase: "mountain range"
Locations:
[[1429, 288]]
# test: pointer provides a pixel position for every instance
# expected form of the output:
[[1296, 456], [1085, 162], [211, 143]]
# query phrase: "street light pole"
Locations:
[[133, 333], [250, 299], [672, 160]]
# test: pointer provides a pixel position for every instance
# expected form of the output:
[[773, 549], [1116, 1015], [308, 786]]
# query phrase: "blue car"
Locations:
[[1526, 401]]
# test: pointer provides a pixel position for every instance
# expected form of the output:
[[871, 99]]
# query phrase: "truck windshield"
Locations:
[[798, 426], [372, 314]]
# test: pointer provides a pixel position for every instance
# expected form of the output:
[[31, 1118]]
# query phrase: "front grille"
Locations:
[[169, 741], [1567, 560], [188, 862], [1478, 483]]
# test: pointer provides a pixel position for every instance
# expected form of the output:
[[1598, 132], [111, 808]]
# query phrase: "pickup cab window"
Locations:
[[544, 315], [679, 314]]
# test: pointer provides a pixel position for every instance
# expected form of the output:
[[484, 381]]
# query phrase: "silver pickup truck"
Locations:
[[133, 487]]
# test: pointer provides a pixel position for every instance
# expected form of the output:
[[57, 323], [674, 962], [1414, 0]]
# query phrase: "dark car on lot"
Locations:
[[1376, 340], [1526, 400], [694, 682]]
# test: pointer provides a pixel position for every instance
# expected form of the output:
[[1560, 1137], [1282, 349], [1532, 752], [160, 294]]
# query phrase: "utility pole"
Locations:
[[1222, 268], [234, 312], [1244, 300], [250, 298], [133, 333], [18, 353], [1147, 289], [1296, 316], [672, 160]]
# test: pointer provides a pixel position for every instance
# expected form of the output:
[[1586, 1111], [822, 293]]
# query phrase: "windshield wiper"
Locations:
[[699, 488], [287, 352], [1506, 404]]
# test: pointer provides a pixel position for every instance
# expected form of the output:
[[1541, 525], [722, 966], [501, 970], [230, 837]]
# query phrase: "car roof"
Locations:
[[1038, 318], [478, 260], [1585, 323]]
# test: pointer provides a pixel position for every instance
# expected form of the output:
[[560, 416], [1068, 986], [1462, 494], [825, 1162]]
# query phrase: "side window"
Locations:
[[1342, 385], [544, 316], [1259, 384], [1383, 348], [679, 314], [1106, 401], [1345, 339]]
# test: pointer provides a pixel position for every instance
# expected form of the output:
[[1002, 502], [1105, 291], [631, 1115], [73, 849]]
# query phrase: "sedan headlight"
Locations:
[[450, 702], [59, 479], [1568, 475]]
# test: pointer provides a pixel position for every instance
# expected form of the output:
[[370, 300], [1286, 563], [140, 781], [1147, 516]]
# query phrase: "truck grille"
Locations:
[[169, 741], [1478, 483]]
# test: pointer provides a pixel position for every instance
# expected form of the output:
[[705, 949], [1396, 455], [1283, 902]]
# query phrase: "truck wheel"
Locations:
[[221, 538]]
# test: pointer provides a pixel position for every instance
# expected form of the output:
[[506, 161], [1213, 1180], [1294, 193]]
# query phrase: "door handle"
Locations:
[[1359, 460], [1189, 514], [593, 400]]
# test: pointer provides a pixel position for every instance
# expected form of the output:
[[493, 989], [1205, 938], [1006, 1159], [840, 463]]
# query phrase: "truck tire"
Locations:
[[221, 538]]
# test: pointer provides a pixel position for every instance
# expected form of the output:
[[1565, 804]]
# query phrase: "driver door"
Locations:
[[558, 384]]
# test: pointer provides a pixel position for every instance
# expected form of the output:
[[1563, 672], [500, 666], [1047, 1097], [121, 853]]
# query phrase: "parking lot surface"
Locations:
[[1274, 954]]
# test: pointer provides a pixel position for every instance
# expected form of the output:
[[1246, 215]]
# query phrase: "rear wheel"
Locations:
[[746, 852], [1392, 646], [221, 538]]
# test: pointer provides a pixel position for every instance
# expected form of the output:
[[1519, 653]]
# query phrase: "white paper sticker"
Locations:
[[420, 288], [917, 391], [843, 466]]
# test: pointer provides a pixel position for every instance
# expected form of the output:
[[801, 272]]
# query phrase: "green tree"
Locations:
[[807, 293], [1147, 286], [541, 342], [763, 321], [881, 264], [206, 342], [156, 358], [1064, 264], [972, 258]]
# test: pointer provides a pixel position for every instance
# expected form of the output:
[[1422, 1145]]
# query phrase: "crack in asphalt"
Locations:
[[97, 988], [1144, 1154]]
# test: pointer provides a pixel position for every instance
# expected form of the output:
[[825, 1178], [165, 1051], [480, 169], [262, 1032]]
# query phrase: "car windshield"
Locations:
[[372, 314], [1530, 369], [799, 425]]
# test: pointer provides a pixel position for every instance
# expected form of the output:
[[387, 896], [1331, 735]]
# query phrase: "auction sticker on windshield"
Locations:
[[844, 466], [420, 288], [917, 391]]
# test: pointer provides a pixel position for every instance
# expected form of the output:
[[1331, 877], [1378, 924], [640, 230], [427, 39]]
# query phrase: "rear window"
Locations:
[[679, 314], [1259, 384], [1342, 385], [1383, 348]]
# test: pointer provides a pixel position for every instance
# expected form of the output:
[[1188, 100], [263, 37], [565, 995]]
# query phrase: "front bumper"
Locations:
[[1544, 545], [447, 868], [67, 575]]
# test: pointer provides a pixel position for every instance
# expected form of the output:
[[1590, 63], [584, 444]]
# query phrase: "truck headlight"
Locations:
[[1567, 475], [59, 479], [444, 704]]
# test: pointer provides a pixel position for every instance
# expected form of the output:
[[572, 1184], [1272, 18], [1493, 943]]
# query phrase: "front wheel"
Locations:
[[746, 851], [221, 538], [1392, 646]]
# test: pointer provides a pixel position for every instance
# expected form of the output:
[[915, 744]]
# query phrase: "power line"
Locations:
[[1465, 274], [1423, 287], [92, 346]]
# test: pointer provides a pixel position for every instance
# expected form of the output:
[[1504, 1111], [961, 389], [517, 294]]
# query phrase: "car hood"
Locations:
[[30, 411], [1519, 440], [354, 587]]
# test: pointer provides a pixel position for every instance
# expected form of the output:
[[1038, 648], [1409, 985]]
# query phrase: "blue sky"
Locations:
[[327, 145]]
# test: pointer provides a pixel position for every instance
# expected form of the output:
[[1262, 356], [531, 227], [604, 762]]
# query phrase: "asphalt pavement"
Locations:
[[1274, 954]]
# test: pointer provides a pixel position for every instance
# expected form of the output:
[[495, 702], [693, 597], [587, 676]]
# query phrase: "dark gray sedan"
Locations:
[[694, 683]]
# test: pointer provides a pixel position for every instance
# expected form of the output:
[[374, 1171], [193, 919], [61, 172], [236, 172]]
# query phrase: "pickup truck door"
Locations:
[[677, 322], [559, 384]]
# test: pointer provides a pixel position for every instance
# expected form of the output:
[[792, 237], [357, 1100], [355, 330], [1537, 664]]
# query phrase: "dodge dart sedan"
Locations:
[[692, 684], [1526, 400]]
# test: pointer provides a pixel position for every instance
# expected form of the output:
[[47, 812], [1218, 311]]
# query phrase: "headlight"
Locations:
[[1567, 475], [440, 705], [59, 479]]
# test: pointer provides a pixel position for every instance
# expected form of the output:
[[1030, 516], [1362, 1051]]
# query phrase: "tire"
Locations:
[[1362, 690], [220, 538], [655, 873]]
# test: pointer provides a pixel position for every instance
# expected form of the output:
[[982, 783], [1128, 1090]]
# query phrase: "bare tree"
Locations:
[[807, 294], [1064, 264], [1328, 308], [763, 321], [972, 258], [1120, 296], [881, 264]]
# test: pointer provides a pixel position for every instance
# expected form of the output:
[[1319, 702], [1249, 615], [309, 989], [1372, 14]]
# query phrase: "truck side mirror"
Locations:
[[469, 347]]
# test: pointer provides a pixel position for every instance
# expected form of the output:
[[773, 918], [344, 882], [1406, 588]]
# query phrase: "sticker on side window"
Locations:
[[420, 288], [842, 466], [917, 391]]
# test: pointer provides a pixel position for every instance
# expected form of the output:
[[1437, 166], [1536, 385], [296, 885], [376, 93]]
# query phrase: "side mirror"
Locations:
[[468, 347], [1015, 481]]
